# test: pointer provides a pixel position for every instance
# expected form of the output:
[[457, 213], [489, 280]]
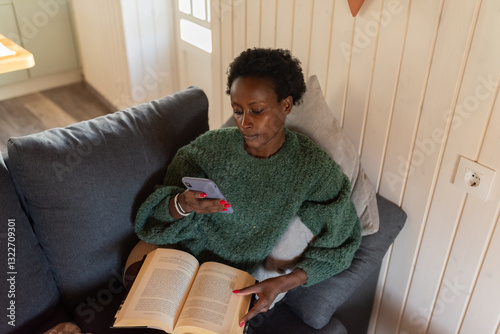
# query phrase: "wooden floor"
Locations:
[[56, 107]]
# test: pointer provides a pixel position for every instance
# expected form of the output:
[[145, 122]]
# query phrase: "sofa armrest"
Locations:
[[316, 305]]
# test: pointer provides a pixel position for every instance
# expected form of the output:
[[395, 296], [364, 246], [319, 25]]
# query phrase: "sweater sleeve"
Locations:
[[154, 223], [331, 216]]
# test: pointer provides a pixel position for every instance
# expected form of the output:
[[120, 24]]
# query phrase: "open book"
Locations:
[[172, 292]]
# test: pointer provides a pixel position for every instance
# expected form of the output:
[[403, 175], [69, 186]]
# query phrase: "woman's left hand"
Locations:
[[269, 289]]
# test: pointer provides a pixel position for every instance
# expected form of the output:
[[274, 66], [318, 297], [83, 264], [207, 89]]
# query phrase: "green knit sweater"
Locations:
[[265, 195]]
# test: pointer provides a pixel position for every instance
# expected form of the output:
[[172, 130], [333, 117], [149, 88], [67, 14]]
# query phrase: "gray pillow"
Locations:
[[314, 118]]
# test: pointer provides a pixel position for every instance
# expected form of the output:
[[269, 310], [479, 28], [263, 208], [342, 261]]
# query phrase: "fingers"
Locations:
[[260, 306], [248, 290], [196, 201], [266, 293]]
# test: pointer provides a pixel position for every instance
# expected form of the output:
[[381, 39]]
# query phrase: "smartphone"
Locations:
[[207, 186]]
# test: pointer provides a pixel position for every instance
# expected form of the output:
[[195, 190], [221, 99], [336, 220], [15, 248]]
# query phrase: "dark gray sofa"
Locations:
[[68, 198]]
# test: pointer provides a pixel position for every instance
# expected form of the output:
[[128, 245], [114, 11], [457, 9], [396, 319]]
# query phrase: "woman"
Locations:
[[268, 175]]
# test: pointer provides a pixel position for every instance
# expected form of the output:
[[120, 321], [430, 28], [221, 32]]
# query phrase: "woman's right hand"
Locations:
[[196, 201]]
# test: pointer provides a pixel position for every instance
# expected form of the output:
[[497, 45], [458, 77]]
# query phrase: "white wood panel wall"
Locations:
[[415, 84], [103, 55]]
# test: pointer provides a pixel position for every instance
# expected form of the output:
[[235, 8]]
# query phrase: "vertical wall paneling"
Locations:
[[147, 46], [253, 25], [227, 40], [239, 27], [320, 39], [132, 61], [393, 26], [415, 86], [165, 76], [420, 41], [394, 20], [479, 217], [451, 48], [103, 56], [366, 35], [268, 12], [341, 48], [285, 15], [416, 64], [486, 289], [301, 33], [148, 30], [377, 302], [461, 251], [218, 73], [134, 39]]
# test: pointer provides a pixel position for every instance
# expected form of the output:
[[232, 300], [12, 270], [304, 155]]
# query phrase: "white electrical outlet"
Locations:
[[474, 178]]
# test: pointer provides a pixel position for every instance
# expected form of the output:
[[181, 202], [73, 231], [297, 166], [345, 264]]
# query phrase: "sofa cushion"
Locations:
[[316, 304], [83, 184], [281, 320], [29, 292]]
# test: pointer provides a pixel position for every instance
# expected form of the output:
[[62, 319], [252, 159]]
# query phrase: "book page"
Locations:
[[159, 291], [211, 304]]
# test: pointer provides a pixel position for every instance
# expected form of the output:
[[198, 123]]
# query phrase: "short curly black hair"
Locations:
[[278, 65]]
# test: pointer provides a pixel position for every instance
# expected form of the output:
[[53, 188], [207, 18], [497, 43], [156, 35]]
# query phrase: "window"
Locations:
[[194, 23]]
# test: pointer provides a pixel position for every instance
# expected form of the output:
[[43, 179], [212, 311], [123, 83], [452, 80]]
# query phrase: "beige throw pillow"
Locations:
[[314, 118]]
